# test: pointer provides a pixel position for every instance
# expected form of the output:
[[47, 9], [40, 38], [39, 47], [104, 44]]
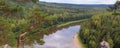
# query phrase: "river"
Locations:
[[60, 39]]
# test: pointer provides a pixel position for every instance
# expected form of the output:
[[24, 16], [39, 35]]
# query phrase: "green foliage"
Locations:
[[3, 4], [25, 1], [16, 16], [62, 13], [35, 1], [105, 26], [6, 35]]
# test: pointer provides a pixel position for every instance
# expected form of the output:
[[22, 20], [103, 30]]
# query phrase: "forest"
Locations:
[[22, 21], [102, 26]]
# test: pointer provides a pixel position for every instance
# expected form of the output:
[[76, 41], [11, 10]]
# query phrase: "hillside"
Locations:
[[101, 26], [70, 12], [22, 21]]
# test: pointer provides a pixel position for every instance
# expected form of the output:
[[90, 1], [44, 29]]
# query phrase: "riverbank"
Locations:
[[71, 22], [54, 28], [77, 43]]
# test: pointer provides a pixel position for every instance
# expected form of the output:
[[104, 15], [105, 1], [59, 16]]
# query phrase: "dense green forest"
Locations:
[[102, 26], [22, 21], [65, 12]]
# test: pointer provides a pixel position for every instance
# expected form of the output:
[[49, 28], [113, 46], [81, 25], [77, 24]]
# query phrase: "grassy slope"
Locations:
[[71, 22]]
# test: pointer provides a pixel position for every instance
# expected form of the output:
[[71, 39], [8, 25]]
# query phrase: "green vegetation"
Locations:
[[59, 13], [25, 21], [101, 26], [80, 40], [16, 19], [105, 26], [71, 22]]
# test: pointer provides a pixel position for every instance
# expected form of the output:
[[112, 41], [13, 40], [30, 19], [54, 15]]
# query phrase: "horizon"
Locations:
[[74, 4], [77, 2]]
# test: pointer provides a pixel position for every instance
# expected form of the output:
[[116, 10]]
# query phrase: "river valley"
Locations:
[[60, 39]]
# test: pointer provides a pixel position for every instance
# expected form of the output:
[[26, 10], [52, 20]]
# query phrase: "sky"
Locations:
[[82, 1]]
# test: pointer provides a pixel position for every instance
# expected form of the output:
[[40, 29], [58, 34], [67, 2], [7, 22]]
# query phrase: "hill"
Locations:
[[78, 5]]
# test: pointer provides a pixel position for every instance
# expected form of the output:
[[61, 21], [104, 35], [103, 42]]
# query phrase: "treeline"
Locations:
[[65, 12], [22, 21]]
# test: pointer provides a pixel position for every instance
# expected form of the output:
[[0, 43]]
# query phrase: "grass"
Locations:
[[70, 22]]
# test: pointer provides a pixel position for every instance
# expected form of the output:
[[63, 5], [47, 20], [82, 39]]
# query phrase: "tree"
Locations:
[[106, 27], [6, 33], [23, 21], [115, 7], [38, 21], [26, 1]]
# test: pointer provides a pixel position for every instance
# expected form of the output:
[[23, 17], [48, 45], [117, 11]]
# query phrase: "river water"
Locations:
[[60, 39]]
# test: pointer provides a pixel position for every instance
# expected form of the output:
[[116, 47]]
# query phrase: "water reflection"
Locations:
[[60, 39]]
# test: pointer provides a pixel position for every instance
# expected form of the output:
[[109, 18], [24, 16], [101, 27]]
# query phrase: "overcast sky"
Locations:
[[82, 1]]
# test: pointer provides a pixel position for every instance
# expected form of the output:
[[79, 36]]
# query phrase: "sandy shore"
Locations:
[[76, 41]]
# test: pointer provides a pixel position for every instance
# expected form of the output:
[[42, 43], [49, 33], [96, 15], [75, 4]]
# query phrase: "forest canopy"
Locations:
[[105, 26], [22, 21]]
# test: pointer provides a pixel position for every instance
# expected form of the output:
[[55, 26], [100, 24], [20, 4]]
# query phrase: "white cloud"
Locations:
[[83, 1]]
